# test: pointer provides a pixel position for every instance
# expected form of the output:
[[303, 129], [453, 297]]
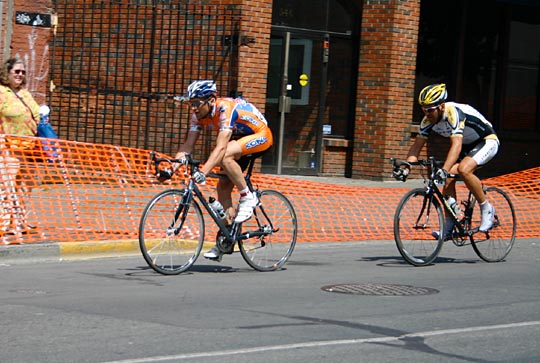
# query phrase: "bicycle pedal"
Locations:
[[485, 234], [226, 248], [215, 259], [449, 237]]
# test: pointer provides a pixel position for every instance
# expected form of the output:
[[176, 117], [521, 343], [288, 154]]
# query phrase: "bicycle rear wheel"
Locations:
[[276, 216], [415, 220], [497, 243], [171, 234]]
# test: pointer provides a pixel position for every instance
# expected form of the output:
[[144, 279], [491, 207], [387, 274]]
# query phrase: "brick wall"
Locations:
[[117, 67], [28, 42], [253, 58], [335, 157], [385, 92]]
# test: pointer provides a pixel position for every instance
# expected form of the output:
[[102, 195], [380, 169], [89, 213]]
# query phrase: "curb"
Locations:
[[66, 251], [89, 249], [29, 252]]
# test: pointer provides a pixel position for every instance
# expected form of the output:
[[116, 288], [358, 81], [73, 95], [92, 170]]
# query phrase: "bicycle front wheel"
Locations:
[[274, 229], [416, 219], [496, 244], [171, 234]]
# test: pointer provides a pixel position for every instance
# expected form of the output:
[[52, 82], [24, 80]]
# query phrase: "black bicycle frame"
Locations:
[[230, 234], [432, 191]]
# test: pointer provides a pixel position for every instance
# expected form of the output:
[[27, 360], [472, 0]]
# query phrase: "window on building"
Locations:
[[520, 107], [300, 53], [488, 53], [322, 15]]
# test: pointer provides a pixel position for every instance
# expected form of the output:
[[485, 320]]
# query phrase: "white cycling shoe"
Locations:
[[245, 208], [488, 212], [448, 230], [214, 254]]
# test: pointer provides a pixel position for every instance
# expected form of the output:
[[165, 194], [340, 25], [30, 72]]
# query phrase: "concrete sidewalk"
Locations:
[[68, 251], [411, 183]]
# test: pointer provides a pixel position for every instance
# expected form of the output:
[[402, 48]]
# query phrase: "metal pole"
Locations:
[[282, 100], [322, 102]]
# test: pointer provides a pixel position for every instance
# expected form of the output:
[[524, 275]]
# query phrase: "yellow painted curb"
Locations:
[[109, 248], [98, 248]]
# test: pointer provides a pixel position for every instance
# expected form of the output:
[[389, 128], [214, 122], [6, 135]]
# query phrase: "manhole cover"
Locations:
[[380, 289]]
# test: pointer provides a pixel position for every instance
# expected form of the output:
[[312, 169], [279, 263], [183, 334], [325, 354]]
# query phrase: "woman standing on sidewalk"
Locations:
[[19, 115]]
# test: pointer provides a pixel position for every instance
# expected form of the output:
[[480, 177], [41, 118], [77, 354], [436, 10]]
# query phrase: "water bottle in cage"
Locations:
[[216, 207], [454, 206]]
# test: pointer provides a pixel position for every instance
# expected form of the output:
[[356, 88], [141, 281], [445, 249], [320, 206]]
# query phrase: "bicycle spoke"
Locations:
[[415, 221], [496, 244], [171, 246], [276, 221]]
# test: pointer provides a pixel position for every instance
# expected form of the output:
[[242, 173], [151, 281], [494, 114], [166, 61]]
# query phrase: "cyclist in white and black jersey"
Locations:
[[458, 119], [473, 143]]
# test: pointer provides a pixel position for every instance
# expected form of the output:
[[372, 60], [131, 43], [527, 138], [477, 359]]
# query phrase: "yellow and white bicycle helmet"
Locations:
[[433, 95]]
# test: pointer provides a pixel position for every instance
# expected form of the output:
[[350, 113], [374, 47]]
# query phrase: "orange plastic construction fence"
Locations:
[[89, 192]]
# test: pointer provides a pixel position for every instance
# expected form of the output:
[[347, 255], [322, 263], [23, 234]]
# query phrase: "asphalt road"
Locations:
[[118, 310]]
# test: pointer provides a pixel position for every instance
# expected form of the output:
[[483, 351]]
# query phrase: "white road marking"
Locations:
[[324, 343]]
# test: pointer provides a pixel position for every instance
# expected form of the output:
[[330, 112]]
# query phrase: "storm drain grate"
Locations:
[[380, 289]]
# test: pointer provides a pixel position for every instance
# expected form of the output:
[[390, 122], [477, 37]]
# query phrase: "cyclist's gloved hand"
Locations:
[[164, 174], [179, 163], [180, 159], [441, 175], [400, 174], [199, 177]]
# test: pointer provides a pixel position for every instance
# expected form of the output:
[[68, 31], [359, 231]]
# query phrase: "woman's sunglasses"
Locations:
[[19, 71]]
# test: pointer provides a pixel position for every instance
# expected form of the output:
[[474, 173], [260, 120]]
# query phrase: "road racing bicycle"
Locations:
[[420, 215], [172, 226]]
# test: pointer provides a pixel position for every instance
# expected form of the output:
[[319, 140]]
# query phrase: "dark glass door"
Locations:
[[299, 133], [319, 50]]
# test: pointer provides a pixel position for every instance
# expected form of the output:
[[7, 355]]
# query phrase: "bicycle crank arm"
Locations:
[[252, 234], [477, 230]]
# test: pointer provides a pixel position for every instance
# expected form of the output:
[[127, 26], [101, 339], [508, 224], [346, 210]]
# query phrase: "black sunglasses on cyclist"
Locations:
[[197, 103], [19, 71]]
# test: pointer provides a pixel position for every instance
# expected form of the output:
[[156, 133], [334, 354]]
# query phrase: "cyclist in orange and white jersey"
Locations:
[[242, 131], [473, 143]]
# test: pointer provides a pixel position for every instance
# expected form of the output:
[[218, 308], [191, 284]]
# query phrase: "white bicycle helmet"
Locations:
[[201, 89]]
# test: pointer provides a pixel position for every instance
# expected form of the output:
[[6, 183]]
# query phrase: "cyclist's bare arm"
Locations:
[[416, 147], [216, 156], [186, 147], [456, 143]]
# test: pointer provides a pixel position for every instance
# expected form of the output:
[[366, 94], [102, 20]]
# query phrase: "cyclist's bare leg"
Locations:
[[225, 186], [466, 169], [247, 201], [224, 190], [231, 167], [450, 189], [236, 178], [450, 184]]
